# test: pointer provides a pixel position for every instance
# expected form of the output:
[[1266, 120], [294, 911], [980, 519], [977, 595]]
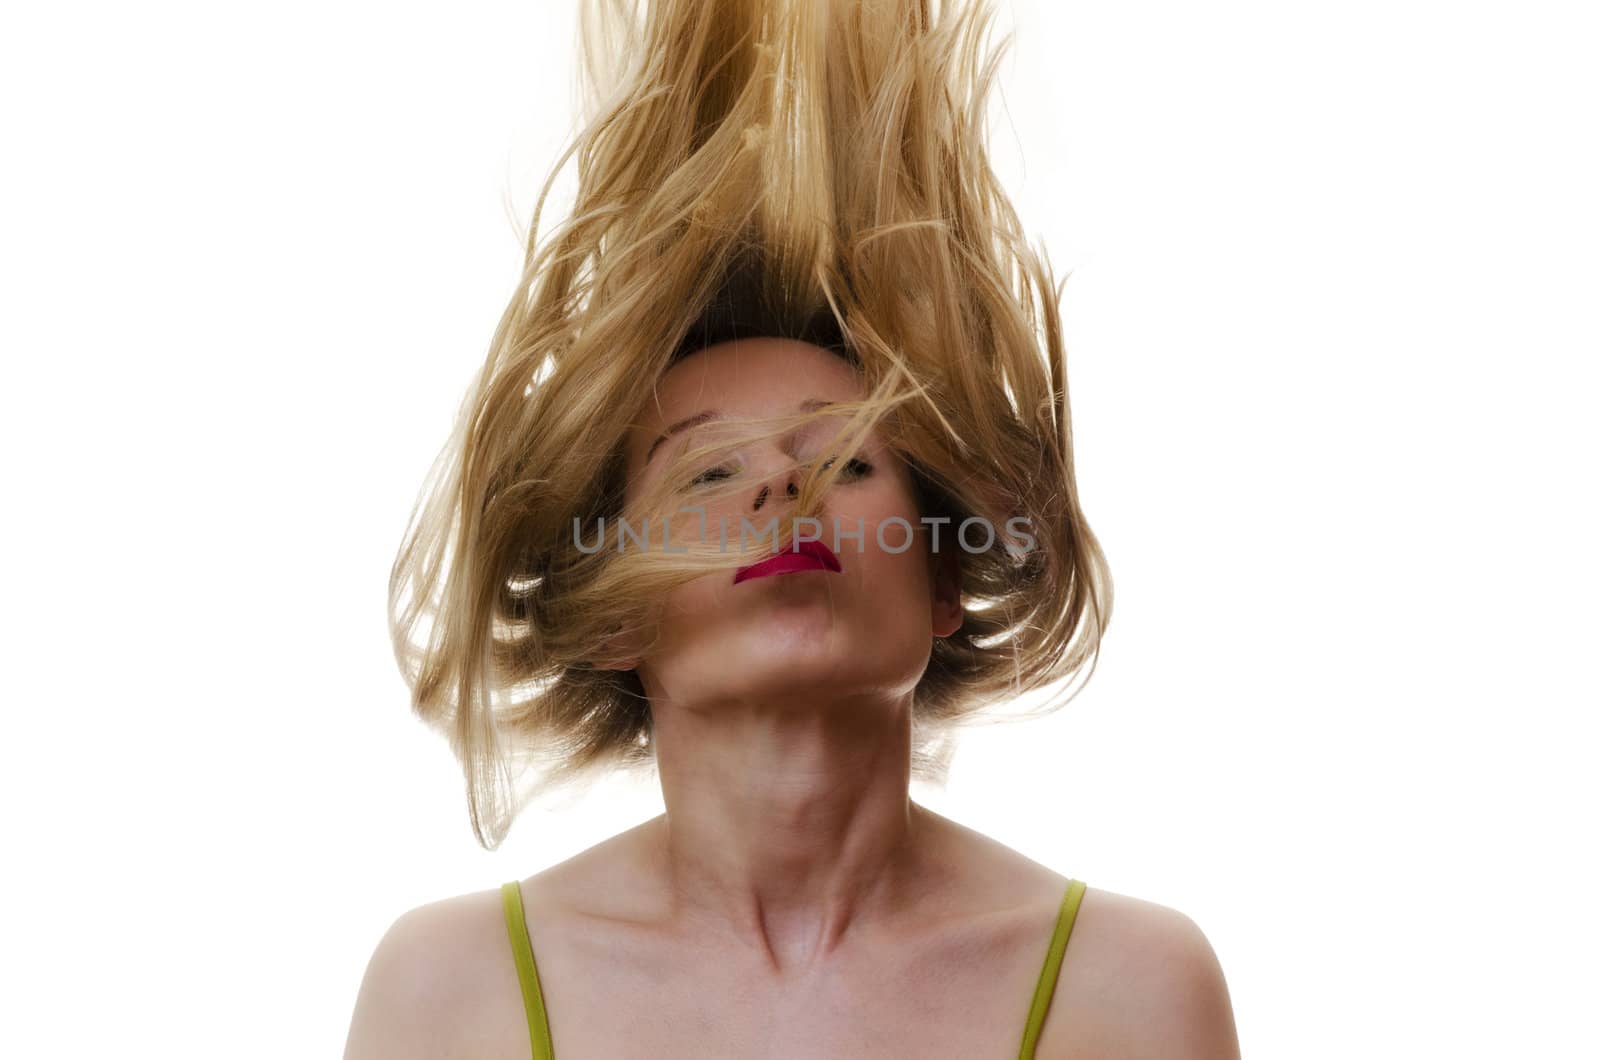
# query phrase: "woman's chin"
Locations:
[[777, 660], [786, 650], [790, 637]]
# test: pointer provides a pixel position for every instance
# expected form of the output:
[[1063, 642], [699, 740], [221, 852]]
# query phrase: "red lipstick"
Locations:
[[807, 555]]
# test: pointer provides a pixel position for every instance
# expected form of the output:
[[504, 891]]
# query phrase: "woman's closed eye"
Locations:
[[715, 474], [856, 468]]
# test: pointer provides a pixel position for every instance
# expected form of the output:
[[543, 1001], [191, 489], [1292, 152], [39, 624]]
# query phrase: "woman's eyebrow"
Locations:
[[681, 425], [808, 405]]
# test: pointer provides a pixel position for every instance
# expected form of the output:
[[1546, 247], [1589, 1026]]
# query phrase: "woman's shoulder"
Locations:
[[1138, 977], [441, 981]]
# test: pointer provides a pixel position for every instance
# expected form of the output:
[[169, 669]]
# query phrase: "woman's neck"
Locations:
[[789, 830]]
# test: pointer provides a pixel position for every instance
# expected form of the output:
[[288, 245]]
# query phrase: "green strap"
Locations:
[[527, 972], [1052, 964]]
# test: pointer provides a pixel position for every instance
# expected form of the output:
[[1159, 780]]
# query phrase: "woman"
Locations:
[[767, 485]]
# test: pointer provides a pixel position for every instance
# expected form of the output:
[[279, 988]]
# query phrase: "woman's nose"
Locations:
[[790, 489]]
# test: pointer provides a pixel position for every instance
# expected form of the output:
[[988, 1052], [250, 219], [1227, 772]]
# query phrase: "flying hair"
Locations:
[[798, 169]]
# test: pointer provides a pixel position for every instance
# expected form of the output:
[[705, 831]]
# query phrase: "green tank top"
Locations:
[[539, 1024]]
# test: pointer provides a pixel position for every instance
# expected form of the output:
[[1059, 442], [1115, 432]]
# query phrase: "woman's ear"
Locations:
[[947, 612]]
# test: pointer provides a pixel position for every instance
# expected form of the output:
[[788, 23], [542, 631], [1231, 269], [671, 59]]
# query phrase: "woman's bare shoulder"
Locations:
[[440, 982], [1138, 979]]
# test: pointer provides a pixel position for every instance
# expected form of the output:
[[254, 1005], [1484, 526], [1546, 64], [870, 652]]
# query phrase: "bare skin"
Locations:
[[952, 978], [793, 901]]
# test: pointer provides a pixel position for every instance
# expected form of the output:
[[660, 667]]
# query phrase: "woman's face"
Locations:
[[865, 629]]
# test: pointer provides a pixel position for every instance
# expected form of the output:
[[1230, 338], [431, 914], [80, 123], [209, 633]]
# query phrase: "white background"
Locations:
[[1332, 327]]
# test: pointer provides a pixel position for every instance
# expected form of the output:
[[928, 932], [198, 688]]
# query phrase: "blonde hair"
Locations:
[[747, 167]]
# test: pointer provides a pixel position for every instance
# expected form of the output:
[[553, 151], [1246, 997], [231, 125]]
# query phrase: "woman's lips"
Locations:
[[807, 555]]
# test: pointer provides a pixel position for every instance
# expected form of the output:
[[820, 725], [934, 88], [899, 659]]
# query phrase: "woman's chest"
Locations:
[[722, 1021], [964, 994]]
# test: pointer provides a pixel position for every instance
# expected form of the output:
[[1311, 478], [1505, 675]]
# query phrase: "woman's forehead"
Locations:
[[742, 379]]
